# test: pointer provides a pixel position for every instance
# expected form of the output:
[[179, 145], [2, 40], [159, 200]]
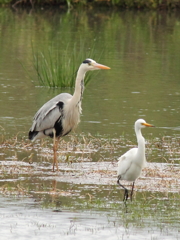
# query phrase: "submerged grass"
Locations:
[[90, 159], [57, 68], [88, 171], [163, 150]]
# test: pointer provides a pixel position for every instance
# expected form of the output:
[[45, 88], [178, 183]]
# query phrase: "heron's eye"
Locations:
[[89, 63]]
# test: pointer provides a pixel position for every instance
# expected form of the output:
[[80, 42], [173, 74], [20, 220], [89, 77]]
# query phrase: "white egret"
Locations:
[[131, 163], [57, 117]]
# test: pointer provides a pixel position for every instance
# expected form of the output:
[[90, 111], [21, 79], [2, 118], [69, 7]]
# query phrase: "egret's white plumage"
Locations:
[[131, 163], [61, 114]]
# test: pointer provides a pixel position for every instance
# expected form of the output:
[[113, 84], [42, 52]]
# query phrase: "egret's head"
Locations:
[[90, 64], [141, 123]]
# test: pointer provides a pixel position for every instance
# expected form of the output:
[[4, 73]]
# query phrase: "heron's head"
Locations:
[[141, 123], [90, 64]]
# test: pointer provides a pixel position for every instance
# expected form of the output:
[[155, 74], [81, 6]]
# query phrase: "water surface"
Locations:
[[142, 49]]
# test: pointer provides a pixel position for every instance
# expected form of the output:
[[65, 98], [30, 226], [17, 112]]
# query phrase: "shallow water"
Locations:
[[83, 200], [141, 50], [24, 218]]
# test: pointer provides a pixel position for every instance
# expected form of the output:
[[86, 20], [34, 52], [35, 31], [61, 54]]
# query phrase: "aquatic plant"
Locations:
[[55, 68]]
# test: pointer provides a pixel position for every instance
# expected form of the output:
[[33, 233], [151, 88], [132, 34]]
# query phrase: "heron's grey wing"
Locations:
[[50, 112]]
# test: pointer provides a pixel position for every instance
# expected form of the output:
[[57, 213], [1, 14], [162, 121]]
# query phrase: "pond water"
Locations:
[[142, 49], [29, 221]]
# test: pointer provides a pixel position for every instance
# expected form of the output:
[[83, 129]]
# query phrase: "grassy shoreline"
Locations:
[[132, 4]]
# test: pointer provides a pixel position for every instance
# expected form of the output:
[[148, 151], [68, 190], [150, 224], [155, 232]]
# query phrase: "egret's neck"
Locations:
[[141, 142], [79, 86]]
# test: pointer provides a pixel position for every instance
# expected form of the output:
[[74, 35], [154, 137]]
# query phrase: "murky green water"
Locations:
[[142, 49]]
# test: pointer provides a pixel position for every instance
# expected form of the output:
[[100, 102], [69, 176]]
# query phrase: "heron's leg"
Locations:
[[54, 184], [57, 142], [125, 190], [54, 148], [55, 145], [132, 190]]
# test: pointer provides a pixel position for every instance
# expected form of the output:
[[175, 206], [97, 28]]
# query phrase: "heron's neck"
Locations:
[[141, 143], [79, 86]]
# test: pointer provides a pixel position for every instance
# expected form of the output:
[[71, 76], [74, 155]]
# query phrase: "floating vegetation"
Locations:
[[16, 190], [84, 160]]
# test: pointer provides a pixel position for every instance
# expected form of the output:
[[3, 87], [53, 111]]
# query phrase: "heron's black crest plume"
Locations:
[[86, 61]]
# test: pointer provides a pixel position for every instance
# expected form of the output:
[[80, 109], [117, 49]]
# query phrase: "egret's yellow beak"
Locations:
[[148, 125], [97, 65]]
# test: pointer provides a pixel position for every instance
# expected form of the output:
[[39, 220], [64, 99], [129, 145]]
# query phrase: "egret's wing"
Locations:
[[125, 161], [50, 112]]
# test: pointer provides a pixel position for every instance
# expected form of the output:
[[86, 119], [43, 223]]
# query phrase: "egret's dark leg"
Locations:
[[132, 190], [125, 190], [55, 145]]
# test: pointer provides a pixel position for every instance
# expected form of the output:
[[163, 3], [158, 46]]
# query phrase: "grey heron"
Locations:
[[131, 163], [57, 117]]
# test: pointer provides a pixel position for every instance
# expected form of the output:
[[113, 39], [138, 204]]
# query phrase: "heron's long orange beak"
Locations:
[[97, 65], [148, 125]]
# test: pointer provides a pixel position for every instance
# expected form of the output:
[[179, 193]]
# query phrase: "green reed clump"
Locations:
[[58, 68]]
